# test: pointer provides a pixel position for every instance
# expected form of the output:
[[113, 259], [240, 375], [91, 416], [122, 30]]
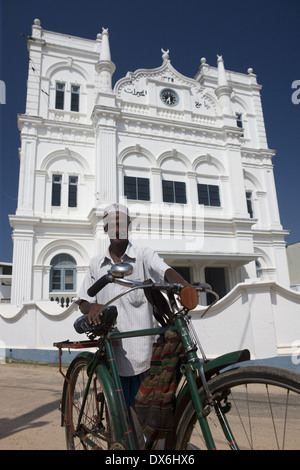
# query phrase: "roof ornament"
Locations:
[[222, 79], [223, 91], [105, 67], [105, 49], [165, 55]]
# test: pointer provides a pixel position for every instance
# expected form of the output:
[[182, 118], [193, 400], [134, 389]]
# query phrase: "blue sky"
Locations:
[[261, 34]]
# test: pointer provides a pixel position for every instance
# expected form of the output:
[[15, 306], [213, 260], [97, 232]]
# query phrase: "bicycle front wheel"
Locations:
[[260, 410], [95, 429]]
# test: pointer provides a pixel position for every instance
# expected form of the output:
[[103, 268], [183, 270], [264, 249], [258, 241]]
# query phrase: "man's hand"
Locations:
[[93, 312], [94, 315]]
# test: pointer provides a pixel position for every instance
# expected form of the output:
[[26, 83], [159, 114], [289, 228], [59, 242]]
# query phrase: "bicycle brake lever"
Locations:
[[203, 286]]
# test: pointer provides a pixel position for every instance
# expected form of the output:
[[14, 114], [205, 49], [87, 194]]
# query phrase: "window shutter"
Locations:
[[56, 190], [168, 191], [214, 195], [73, 185], [203, 194], [180, 193], [143, 189], [60, 96]]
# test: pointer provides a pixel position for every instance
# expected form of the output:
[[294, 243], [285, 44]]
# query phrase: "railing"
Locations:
[[64, 299]]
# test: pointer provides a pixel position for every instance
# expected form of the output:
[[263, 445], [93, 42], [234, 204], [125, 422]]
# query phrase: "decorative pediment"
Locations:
[[164, 87]]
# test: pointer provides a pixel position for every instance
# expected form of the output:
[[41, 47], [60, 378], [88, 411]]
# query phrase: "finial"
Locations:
[[105, 49], [204, 66], [223, 91], [105, 67], [165, 55], [36, 29], [222, 80], [251, 73]]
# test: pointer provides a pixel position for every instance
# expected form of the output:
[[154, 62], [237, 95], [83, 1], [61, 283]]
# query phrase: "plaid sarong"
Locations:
[[155, 398]]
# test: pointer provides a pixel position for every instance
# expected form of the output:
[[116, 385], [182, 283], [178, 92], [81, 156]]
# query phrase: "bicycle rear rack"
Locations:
[[67, 344]]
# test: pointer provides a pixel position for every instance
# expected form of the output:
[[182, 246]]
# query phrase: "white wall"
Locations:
[[263, 317]]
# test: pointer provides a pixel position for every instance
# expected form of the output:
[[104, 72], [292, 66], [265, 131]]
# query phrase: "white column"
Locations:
[[273, 210], [22, 264], [34, 70], [40, 192], [236, 182], [192, 189], [27, 172], [106, 160], [156, 186], [37, 283]]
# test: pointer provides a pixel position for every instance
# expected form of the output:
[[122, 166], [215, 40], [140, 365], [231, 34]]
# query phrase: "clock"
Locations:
[[169, 97]]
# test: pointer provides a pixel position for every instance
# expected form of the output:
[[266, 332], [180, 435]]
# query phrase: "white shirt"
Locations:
[[133, 355]]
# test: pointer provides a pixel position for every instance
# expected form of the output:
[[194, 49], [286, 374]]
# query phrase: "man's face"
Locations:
[[116, 225]]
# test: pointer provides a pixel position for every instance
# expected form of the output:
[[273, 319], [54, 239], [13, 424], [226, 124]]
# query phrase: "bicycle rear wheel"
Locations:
[[261, 405], [95, 430]]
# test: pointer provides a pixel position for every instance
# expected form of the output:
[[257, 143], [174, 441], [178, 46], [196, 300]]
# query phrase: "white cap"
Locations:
[[116, 208]]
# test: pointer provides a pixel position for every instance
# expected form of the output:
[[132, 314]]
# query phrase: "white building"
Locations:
[[5, 281], [188, 155], [293, 257]]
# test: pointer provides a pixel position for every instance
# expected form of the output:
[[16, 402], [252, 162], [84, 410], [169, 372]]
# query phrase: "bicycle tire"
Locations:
[[96, 430], [267, 420]]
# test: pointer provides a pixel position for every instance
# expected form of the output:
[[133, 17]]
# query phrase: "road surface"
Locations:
[[29, 415]]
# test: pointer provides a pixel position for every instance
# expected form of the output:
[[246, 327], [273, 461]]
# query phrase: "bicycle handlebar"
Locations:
[[187, 293], [108, 278], [98, 285]]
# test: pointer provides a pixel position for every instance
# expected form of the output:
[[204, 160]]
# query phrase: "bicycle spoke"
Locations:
[[264, 411], [285, 420], [270, 414], [94, 431]]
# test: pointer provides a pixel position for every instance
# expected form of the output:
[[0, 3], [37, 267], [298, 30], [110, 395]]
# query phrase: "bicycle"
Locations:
[[220, 403]]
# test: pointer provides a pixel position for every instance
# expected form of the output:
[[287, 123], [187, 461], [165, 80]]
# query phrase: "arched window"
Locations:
[[63, 274], [258, 269]]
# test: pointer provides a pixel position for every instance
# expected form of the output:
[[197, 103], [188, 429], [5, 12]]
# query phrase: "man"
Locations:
[[133, 355]]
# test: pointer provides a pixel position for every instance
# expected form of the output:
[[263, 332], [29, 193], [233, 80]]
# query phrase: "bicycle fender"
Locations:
[[112, 399], [226, 360], [210, 368]]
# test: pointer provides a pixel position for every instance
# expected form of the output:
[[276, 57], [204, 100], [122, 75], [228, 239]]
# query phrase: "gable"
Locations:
[[165, 90]]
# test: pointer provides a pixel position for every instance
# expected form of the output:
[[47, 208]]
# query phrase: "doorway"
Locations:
[[216, 278]]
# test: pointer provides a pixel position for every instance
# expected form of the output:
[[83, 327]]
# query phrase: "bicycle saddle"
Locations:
[[108, 319]]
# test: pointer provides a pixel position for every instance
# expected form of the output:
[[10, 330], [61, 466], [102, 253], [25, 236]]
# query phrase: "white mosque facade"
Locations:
[[188, 156]]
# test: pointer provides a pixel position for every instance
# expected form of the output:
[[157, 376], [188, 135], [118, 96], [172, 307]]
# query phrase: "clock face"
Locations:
[[169, 97]]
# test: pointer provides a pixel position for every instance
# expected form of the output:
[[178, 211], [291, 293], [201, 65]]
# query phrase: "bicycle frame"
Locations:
[[194, 369]]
